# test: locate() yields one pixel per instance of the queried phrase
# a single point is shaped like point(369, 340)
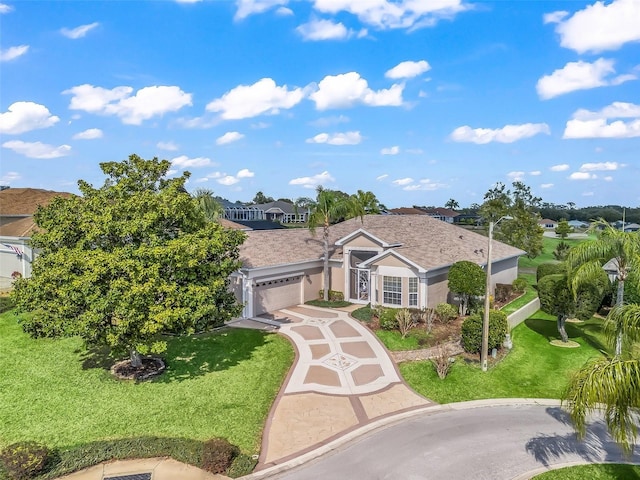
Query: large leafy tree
point(330, 206)
point(563, 229)
point(126, 262)
point(467, 279)
point(452, 204)
point(611, 385)
point(522, 229)
point(586, 260)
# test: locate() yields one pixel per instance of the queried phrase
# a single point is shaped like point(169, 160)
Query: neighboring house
point(406, 211)
point(548, 224)
point(444, 214)
point(578, 224)
point(17, 206)
point(631, 227)
point(278, 211)
point(392, 260)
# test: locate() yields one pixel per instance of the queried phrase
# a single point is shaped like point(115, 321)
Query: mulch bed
point(151, 366)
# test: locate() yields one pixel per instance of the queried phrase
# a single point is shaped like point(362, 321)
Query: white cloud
point(535, 173)
point(516, 176)
point(348, 89)
point(582, 176)
point(425, 184)
point(4, 8)
point(284, 12)
point(211, 176)
point(347, 138)
point(403, 181)
point(23, 117)
point(608, 178)
point(601, 166)
point(580, 75)
point(90, 134)
point(546, 185)
point(314, 181)
point(559, 168)
point(13, 52)
point(506, 134)
point(390, 151)
point(229, 137)
point(185, 162)
point(229, 180)
point(588, 124)
point(554, 17)
point(328, 121)
point(9, 177)
point(408, 69)
point(245, 173)
point(385, 14)
point(251, 7)
point(316, 30)
point(260, 125)
point(78, 32)
point(169, 146)
point(601, 26)
point(148, 102)
point(382, 177)
point(37, 149)
point(263, 97)
point(587, 194)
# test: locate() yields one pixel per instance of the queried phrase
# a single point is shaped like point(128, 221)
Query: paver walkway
point(342, 379)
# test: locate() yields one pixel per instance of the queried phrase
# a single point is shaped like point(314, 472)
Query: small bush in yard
point(242, 465)
point(471, 331)
point(218, 455)
point(427, 316)
point(334, 295)
point(441, 362)
point(25, 460)
point(446, 313)
point(388, 319)
point(405, 321)
point(519, 285)
point(503, 291)
point(421, 335)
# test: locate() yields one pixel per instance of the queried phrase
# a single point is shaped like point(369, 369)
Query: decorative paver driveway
point(342, 378)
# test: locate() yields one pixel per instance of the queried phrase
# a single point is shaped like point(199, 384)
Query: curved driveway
point(496, 443)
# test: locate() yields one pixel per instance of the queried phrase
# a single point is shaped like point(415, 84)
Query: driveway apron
point(342, 379)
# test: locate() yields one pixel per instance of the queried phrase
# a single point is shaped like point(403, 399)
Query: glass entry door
point(359, 284)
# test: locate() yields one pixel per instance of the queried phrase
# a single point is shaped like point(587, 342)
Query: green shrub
point(242, 465)
point(503, 291)
point(471, 331)
point(388, 319)
point(363, 314)
point(218, 455)
point(446, 312)
point(6, 303)
point(549, 269)
point(334, 295)
point(329, 303)
point(24, 460)
point(519, 285)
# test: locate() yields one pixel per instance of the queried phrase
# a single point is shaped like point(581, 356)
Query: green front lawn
point(217, 384)
point(606, 471)
point(534, 368)
point(549, 244)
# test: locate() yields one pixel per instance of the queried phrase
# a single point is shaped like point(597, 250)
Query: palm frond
point(624, 320)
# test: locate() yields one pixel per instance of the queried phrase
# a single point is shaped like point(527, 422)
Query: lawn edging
point(520, 315)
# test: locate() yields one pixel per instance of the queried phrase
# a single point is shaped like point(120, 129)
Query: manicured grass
point(607, 471)
point(529, 294)
point(549, 244)
point(363, 314)
point(55, 392)
point(534, 368)
point(328, 303)
point(394, 342)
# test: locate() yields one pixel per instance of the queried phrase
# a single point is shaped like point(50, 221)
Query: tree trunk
point(325, 267)
point(619, 302)
point(563, 332)
point(134, 356)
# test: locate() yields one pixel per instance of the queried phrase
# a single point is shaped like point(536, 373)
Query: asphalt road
point(496, 443)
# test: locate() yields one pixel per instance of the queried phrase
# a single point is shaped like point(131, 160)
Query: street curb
point(532, 473)
point(387, 421)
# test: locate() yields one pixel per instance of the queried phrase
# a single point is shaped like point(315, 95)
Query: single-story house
point(631, 227)
point(392, 260)
point(278, 211)
point(17, 206)
point(444, 214)
point(578, 224)
point(548, 224)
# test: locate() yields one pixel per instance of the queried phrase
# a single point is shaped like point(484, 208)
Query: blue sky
point(418, 101)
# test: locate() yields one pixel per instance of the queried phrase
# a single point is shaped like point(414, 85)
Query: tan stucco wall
point(235, 285)
point(361, 241)
point(505, 271)
point(312, 284)
point(391, 261)
point(437, 290)
point(336, 279)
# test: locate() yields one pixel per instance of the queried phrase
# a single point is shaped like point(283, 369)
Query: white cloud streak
point(252, 7)
point(12, 53)
point(185, 162)
point(347, 138)
point(78, 32)
point(24, 117)
point(349, 89)
point(37, 149)
point(588, 124)
point(89, 134)
point(229, 137)
point(390, 151)
point(313, 181)
point(408, 69)
point(506, 134)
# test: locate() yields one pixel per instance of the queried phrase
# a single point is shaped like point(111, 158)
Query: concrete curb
point(387, 421)
point(529, 475)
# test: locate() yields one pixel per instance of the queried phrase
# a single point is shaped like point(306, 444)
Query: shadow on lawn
point(587, 331)
point(192, 356)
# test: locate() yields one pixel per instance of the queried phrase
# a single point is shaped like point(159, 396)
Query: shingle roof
point(25, 201)
point(407, 211)
point(425, 241)
point(233, 225)
point(22, 227)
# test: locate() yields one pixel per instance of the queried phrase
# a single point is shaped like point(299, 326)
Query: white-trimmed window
point(413, 291)
point(392, 290)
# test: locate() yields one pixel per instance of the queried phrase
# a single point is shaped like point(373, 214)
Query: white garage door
point(276, 294)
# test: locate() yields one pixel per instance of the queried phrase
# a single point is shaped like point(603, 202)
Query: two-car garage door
point(276, 294)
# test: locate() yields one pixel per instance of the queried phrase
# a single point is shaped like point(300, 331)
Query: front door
point(359, 285)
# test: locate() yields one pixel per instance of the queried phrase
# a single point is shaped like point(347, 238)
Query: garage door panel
point(276, 294)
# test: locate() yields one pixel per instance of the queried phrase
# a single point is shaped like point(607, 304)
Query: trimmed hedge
point(549, 269)
point(334, 296)
point(519, 285)
point(446, 312)
point(471, 331)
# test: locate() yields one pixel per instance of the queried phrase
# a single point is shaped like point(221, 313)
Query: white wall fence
point(519, 316)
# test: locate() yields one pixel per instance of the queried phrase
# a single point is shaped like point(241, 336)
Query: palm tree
point(621, 248)
point(328, 208)
point(452, 204)
point(208, 204)
point(611, 384)
point(363, 203)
